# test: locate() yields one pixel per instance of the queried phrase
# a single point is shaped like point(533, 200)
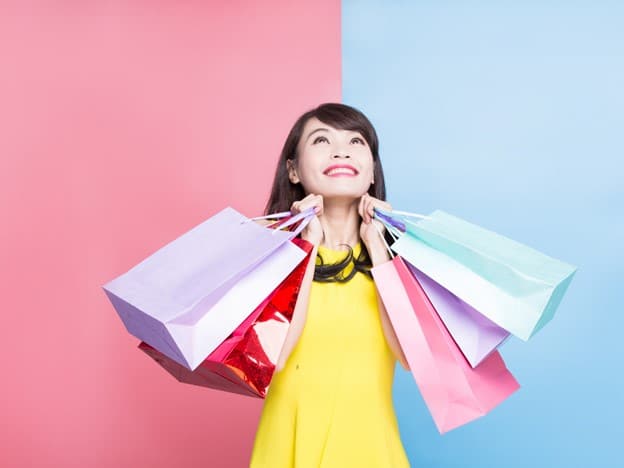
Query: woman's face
point(332, 163)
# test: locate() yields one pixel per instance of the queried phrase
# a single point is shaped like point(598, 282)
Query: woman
point(330, 401)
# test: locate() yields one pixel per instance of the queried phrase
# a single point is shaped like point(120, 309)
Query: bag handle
point(398, 219)
point(388, 220)
point(392, 229)
point(407, 214)
point(305, 217)
point(283, 214)
point(306, 220)
point(384, 240)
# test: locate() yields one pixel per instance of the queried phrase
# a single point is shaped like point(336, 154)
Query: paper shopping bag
point(453, 391)
point(188, 296)
point(245, 362)
point(513, 285)
point(475, 334)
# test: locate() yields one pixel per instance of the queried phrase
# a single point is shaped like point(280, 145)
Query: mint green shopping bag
point(515, 286)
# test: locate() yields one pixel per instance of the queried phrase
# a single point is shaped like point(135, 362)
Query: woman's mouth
point(340, 170)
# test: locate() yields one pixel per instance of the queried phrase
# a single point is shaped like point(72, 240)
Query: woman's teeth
point(341, 170)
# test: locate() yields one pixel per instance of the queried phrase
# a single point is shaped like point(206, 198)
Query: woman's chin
point(348, 190)
point(341, 196)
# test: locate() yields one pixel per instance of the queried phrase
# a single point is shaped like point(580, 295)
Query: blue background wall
point(510, 115)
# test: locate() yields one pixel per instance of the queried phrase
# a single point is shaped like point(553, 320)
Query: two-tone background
point(124, 123)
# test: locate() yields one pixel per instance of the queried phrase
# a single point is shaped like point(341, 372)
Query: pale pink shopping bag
point(454, 392)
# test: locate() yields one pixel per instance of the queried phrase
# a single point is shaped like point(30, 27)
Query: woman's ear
point(292, 172)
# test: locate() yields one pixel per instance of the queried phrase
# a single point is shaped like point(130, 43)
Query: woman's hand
point(313, 232)
point(368, 232)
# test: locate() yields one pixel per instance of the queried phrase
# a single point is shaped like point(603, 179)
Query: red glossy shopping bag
point(244, 363)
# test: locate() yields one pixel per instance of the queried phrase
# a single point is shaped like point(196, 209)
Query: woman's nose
point(340, 154)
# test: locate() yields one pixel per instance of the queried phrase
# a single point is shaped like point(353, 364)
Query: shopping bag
point(453, 391)
point(513, 285)
point(475, 334)
point(188, 296)
point(245, 362)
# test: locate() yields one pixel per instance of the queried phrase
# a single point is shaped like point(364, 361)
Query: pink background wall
point(121, 127)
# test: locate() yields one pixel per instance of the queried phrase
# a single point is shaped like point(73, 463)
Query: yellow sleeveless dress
point(331, 405)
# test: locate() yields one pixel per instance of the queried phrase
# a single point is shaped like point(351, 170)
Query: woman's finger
point(376, 203)
point(318, 204)
point(310, 201)
point(371, 208)
point(383, 205)
point(367, 205)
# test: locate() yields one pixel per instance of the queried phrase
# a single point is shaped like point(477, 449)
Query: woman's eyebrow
point(316, 130)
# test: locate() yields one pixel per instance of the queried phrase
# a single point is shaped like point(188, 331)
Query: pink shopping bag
point(454, 392)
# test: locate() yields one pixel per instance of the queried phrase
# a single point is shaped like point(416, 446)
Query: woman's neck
point(341, 223)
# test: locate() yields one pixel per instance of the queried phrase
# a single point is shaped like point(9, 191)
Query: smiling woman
point(338, 131)
point(330, 401)
point(350, 140)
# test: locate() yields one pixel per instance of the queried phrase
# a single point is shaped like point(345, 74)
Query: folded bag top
point(198, 266)
point(519, 269)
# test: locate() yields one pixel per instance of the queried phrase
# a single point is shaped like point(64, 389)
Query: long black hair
point(284, 192)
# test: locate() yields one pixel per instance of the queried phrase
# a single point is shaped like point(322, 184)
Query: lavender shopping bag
point(188, 296)
point(475, 335)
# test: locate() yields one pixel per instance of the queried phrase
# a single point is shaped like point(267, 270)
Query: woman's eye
point(317, 139)
point(358, 139)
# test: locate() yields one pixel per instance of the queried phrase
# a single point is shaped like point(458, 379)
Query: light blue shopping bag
point(513, 285)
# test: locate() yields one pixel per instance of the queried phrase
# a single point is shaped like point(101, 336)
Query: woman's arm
point(312, 233)
point(379, 254)
point(299, 314)
point(301, 307)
